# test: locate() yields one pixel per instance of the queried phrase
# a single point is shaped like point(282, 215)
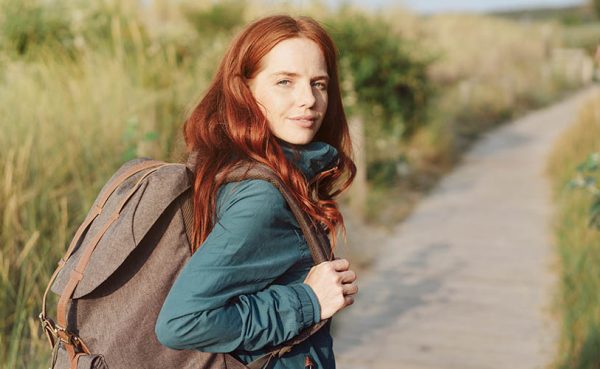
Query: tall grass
point(494, 69)
point(66, 126)
point(578, 245)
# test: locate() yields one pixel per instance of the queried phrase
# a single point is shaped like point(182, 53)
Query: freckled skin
point(282, 97)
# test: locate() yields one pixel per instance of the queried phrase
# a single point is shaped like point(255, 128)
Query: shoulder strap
point(187, 210)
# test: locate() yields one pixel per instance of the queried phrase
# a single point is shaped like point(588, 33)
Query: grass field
point(578, 245)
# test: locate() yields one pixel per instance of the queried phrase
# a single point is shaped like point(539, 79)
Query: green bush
point(388, 72)
point(386, 83)
point(587, 178)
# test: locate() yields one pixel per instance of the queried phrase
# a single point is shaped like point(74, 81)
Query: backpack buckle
point(55, 333)
point(49, 328)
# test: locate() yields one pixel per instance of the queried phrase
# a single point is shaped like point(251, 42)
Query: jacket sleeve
point(224, 298)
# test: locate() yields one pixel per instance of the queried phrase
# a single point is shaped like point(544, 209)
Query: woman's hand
point(334, 284)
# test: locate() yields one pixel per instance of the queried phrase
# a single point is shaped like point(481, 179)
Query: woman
point(251, 284)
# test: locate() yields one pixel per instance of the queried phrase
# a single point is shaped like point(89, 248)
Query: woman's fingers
point(347, 276)
point(340, 265)
point(349, 289)
point(332, 280)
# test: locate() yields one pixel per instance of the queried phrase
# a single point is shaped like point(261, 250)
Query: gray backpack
point(122, 263)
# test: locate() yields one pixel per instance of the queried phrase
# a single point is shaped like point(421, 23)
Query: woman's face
point(291, 89)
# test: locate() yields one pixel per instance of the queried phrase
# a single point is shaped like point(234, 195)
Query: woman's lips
point(305, 123)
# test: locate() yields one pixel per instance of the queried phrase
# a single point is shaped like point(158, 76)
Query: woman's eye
point(321, 85)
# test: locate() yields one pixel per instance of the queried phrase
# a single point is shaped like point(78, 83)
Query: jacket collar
point(311, 158)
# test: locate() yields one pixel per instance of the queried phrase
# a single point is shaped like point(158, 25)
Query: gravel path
point(467, 280)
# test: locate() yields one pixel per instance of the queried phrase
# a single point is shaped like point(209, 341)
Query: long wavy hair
point(228, 120)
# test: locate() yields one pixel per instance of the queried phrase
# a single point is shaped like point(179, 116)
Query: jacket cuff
point(315, 303)
point(309, 304)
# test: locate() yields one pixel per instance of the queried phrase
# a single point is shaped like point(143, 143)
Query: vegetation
point(87, 85)
point(389, 86)
point(578, 240)
point(485, 70)
point(587, 178)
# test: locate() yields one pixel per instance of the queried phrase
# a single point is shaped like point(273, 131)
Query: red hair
point(229, 120)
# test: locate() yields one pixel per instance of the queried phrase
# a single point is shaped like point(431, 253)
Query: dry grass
point(493, 69)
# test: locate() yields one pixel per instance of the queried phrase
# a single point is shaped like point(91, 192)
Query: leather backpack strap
point(187, 211)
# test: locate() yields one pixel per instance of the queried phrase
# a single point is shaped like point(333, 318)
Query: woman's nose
point(306, 95)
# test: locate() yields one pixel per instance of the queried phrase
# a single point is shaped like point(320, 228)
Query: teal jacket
point(242, 291)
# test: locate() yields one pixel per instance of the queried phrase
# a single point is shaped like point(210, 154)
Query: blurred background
point(86, 85)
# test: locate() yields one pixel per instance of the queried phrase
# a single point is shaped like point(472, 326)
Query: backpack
point(122, 262)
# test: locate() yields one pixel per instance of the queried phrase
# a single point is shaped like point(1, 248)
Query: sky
point(435, 6)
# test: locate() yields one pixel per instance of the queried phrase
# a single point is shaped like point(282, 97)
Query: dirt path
point(466, 281)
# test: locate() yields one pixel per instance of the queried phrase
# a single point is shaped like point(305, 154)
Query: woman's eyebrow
point(293, 74)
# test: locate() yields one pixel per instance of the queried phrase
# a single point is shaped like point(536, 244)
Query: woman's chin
point(302, 136)
point(297, 140)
